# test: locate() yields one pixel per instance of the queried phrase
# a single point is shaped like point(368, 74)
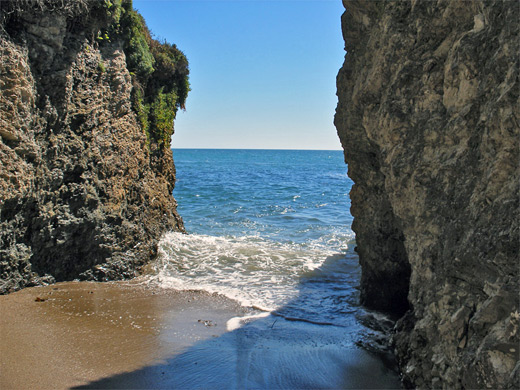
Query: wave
point(252, 270)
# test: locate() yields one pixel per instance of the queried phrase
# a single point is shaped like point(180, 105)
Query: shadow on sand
point(273, 352)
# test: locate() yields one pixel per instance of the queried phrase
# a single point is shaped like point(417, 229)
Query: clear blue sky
point(262, 73)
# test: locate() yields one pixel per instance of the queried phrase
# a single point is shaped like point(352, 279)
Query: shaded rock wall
point(428, 115)
point(83, 194)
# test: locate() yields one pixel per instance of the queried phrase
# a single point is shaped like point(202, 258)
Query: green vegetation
point(113, 10)
point(137, 37)
point(161, 115)
point(159, 70)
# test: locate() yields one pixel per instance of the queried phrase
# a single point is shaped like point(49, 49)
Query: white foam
point(251, 270)
point(237, 322)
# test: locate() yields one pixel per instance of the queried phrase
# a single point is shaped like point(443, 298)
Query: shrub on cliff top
point(137, 38)
point(159, 71)
point(171, 71)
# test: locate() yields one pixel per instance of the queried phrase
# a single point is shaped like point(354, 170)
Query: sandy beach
point(71, 334)
point(127, 335)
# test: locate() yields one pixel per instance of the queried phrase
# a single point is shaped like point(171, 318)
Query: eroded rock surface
point(83, 194)
point(428, 116)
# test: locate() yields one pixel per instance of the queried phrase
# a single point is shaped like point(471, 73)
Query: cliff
point(86, 171)
point(428, 116)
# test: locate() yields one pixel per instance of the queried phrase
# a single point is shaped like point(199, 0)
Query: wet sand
point(71, 334)
point(125, 335)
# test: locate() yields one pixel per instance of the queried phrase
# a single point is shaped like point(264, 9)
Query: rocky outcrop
point(428, 115)
point(84, 191)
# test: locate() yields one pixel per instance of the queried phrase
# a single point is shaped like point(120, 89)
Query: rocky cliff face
point(84, 192)
point(428, 116)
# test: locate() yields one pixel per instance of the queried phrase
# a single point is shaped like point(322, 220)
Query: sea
point(271, 230)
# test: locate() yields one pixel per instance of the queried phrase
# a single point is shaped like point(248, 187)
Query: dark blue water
point(285, 195)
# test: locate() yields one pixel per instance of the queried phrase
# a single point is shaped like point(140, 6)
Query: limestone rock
point(82, 192)
point(428, 115)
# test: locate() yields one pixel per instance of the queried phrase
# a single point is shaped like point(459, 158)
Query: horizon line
point(312, 150)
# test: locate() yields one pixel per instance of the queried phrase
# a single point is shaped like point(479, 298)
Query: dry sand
point(70, 334)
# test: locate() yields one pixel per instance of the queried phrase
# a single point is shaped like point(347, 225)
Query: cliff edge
point(87, 103)
point(428, 116)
